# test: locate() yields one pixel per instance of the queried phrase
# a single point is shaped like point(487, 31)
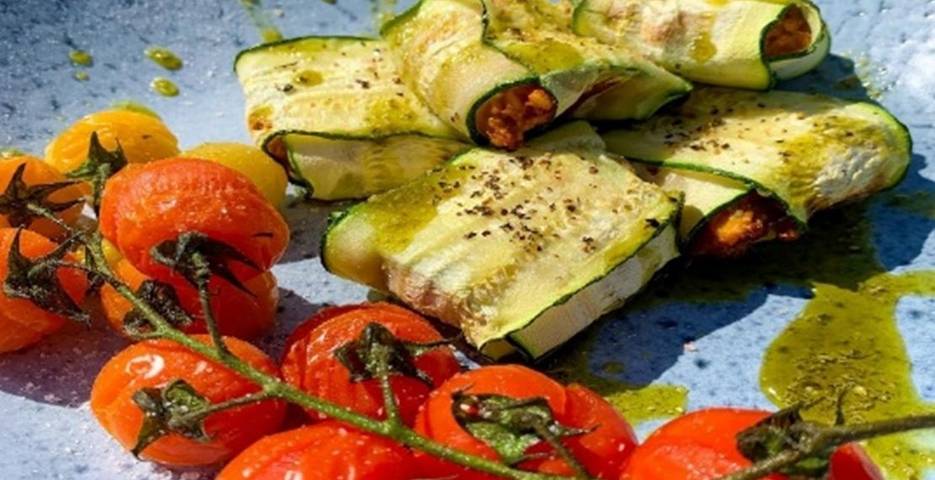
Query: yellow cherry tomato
point(265, 173)
point(144, 138)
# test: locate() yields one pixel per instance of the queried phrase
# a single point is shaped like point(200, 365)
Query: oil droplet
point(164, 57)
point(307, 78)
point(80, 58)
point(165, 87)
point(270, 34)
point(81, 76)
point(702, 48)
point(10, 152)
point(264, 25)
point(134, 106)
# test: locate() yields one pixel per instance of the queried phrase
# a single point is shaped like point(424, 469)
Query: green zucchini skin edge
point(672, 221)
point(286, 41)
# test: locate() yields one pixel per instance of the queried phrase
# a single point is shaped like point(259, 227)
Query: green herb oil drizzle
point(80, 58)
point(165, 87)
point(164, 57)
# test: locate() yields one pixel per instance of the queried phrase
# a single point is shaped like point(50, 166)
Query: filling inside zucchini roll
point(791, 34)
point(736, 228)
point(507, 116)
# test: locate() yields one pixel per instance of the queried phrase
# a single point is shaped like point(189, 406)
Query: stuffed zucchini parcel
point(498, 69)
point(520, 250)
point(334, 111)
point(731, 43)
point(755, 166)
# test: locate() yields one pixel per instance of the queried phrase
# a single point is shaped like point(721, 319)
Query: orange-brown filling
point(505, 118)
point(791, 34)
point(735, 229)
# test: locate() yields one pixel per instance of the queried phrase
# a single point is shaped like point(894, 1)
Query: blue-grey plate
point(696, 338)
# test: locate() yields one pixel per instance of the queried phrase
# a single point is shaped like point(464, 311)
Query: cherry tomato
point(851, 462)
point(310, 363)
point(157, 363)
point(602, 450)
point(146, 205)
point(702, 445)
point(325, 451)
point(259, 167)
point(37, 173)
point(143, 137)
point(238, 313)
point(22, 323)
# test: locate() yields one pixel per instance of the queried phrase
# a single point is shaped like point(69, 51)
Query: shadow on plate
point(307, 221)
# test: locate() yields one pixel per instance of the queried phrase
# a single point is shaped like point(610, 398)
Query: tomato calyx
point(171, 409)
point(162, 298)
point(37, 281)
point(512, 426)
point(782, 431)
point(22, 203)
point(377, 352)
point(198, 257)
point(100, 165)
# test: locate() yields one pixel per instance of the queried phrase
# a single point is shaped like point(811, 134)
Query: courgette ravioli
point(334, 111)
point(755, 166)
point(731, 43)
point(520, 250)
point(498, 69)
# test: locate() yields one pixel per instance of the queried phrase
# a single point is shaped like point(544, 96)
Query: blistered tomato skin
point(36, 172)
point(146, 205)
point(238, 313)
point(143, 138)
point(310, 363)
point(324, 451)
point(602, 451)
point(22, 323)
point(157, 363)
point(259, 167)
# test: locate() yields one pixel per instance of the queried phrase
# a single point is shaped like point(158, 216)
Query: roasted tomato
point(702, 445)
point(143, 137)
point(146, 205)
point(259, 167)
point(596, 435)
point(325, 451)
point(311, 365)
point(23, 323)
point(34, 173)
point(158, 363)
point(238, 313)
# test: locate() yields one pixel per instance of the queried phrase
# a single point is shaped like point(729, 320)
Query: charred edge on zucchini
point(751, 219)
point(505, 118)
point(789, 36)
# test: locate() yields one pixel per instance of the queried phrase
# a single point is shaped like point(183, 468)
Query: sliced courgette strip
point(496, 69)
point(520, 250)
point(731, 43)
point(334, 110)
point(808, 152)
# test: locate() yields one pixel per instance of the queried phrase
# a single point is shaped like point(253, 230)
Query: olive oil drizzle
point(164, 57)
point(165, 87)
point(262, 21)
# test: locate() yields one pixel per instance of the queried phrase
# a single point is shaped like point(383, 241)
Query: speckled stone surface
point(48, 432)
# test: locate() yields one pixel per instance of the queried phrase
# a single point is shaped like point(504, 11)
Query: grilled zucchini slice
point(520, 250)
point(498, 69)
point(731, 43)
point(805, 152)
point(334, 111)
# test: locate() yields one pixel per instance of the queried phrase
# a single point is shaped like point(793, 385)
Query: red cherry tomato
point(144, 205)
point(325, 451)
point(157, 363)
point(851, 462)
point(310, 363)
point(602, 450)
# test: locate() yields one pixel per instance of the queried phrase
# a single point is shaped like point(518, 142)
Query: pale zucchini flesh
point(520, 250)
point(809, 152)
point(457, 54)
point(335, 110)
point(714, 42)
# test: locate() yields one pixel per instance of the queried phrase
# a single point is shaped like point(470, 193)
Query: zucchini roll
point(334, 111)
point(730, 43)
point(497, 69)
point(520, 250)
point(755, 166)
